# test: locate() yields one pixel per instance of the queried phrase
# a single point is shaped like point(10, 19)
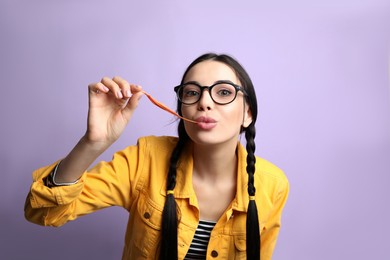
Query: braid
point(252, 224)
point(169, 223)
point(252, 221)
point(250, 159)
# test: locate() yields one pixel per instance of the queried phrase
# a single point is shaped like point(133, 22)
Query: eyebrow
point(216, 82)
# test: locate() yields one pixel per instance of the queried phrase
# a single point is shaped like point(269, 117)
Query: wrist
point(96, 147)
point(50, 180)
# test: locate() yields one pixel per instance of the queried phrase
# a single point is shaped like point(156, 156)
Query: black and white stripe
point(198, 247)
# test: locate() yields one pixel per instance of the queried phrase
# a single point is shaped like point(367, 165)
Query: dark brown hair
point(169, 241)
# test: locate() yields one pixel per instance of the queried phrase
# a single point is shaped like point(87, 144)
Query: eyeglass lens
point(221, 93)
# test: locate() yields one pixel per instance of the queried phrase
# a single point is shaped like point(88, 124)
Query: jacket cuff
point(44, 196)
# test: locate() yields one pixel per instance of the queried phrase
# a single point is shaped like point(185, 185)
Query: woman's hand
point(111, 105)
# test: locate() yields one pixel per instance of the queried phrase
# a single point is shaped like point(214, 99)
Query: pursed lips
point(206, 123)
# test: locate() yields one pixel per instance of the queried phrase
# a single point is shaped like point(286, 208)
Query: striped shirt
point(198, 247)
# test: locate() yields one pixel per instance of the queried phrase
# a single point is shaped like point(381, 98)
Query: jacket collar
point(184, 188)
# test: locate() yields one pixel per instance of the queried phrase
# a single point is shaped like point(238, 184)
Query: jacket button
point(147, 215)
point(214, 253)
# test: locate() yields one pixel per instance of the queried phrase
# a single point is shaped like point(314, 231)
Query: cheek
point(232, 118)
point(187, 111)
point(235, 112)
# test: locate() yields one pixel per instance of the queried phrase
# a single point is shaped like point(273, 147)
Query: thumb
point(132, 104)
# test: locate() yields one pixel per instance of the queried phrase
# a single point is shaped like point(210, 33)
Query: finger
point(135, 88)
point(123, 85)
point(98, 87)
point(134, 100)
point(112, 86)
point(132, 104)
point(137, 93)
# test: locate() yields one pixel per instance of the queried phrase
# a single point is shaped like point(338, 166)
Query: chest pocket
point(240, 246)
point(239, 237)
point(147, 227)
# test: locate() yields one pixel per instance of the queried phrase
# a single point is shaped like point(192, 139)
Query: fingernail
point(128, 93)
point(105, 89)
point(119, 93)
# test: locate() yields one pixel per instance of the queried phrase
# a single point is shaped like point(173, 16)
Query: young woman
point(200, 195)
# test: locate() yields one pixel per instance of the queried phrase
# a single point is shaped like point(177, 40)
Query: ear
point(247, 116)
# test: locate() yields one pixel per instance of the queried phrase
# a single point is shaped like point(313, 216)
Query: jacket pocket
point(240, 247)
point(146, 231)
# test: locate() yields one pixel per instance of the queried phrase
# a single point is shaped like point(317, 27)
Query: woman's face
point(216, 123)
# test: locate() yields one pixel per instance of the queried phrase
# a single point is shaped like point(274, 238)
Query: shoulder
point(271, 175)
point(265, 171)
point(150, 146)
point(269, 169)
point(157, 141)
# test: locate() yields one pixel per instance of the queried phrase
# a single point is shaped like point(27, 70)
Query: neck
point(215, 163)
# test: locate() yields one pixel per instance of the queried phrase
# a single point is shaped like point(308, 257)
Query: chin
point(211, 139)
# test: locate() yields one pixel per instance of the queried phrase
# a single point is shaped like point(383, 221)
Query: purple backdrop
point(321, 73)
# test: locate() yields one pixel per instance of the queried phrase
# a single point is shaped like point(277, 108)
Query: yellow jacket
point(136, 179)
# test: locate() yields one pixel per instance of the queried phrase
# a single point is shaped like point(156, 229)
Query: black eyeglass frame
point(209, 88)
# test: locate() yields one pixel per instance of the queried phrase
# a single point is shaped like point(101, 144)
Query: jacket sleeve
point(269, 237)
point(106, 184)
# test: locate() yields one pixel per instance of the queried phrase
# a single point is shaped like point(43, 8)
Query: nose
point(205, 102)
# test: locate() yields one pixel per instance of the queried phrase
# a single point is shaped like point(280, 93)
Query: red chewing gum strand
point(164, 107)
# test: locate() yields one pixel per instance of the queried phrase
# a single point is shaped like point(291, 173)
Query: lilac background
point(321, 72)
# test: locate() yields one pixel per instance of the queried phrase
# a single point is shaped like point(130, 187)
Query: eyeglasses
point(221, 92)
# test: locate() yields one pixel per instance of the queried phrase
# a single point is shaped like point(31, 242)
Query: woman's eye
point(224, 92)
point(191, 93)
